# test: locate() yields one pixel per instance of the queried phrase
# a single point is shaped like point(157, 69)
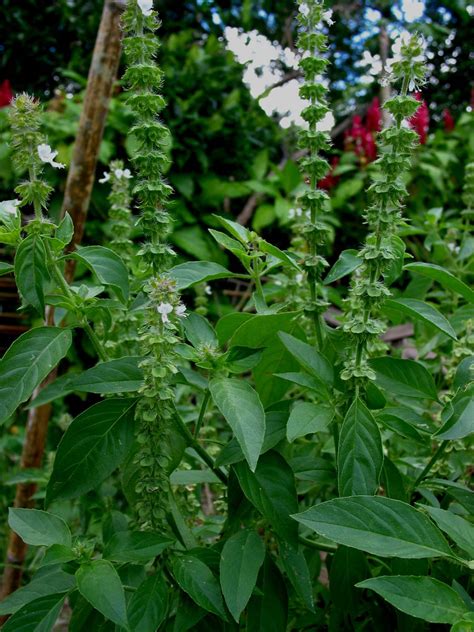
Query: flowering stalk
point(120, 215)
point(144, 80)
point(155, 413)
point(314, 201)
point(382, 247)
point(31, 153)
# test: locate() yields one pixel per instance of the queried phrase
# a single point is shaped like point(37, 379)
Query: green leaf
point(306, 418)
point(198, 331)
point(419, 310)
point(295, 566)
point(107, 266)
point(458, 417)
point(422, 597)
point(243, 411)
point(310, 359)
point(31, 271)
point(137, 546)
point(65, 231)
point(99, 583)
point(58, 554)
point(238, 231)
point(27, 362)
point(377, 525)
point(196, 579)
point(348, 262)
point(39, 528)
point(461, 531)
point(187, 274)
point(268, 611)
point(39, 615)
point(148, 606)
point(122, 375)
point(271, 489)
point(360, 455)
point(196, 242)
point(46, 581)
point(397, 424)
point(405, 378)
point(230, 244)
point(278, 254)
point(92, 447)
point(443, 277)
point(241, 559)
point(5, 268)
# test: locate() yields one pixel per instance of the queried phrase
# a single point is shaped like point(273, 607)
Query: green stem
point(193, 443)
point(202, 412)
point(436, 456)
point(62, 283)
point(329, 548)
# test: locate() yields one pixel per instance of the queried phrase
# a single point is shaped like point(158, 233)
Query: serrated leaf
point(405, 378)
point(377, 525)
point(348, 262)
point(148, 605)
point(27, 362)
point(309, 358)
point(99, 583)
point(360, 455)
point(107, 266)
point(196, 579)
point(461, 531)
point(241, 559)
point(419, 310)
point(135, 546)
point(187, 274)
point(92, 447)
point(39, 528)
point(45, 582)
point(37, 616)
point(422, 597)
point(271, 489)
point(306, 418)
point(243, 411)
point(442, 276)
point(31, 272)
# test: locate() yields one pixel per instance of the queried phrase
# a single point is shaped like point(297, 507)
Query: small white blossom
point(9, 206)
point(164, 309)
point(47, 155)
point(180, 310)
point(208, 290)
point(123, 173)
point(105, 178)
point(146, 7)
point(327, 17)
point(299, 278)
point(304, 9)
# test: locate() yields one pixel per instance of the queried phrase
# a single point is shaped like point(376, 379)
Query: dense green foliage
point(237, 442)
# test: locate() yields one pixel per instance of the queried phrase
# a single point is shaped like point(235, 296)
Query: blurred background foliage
point(228, 155)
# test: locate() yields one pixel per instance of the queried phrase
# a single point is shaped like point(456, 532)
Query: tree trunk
point(102, 74)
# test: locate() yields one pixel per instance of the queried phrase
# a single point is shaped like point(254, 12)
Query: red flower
point(6, 93)
point(420, 121)
point(448, 120)
point(329, 181)
point(361, 139)
point(374, 116)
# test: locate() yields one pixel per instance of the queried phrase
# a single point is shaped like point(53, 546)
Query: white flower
point(327, 17)
point(180, 310)
point(9, 206)
point(304, 9)
point(105, 177)
point(146, 6)
point(208, 290)
point(123, 173)
point(47, 155)
point(164, 309)
point(299, 278)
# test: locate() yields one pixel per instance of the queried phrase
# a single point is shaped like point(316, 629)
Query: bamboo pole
point(102, 74)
